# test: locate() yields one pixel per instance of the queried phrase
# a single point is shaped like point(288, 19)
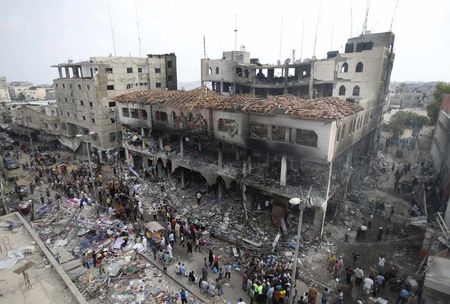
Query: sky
point(36, 34)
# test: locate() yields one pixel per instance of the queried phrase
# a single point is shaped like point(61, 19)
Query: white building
point(4, 92)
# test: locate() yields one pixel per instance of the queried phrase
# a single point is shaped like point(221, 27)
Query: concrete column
point(220, 189)
point(160, 142)
point(100, 156)
point(237, 153)
point(252, 90)
point(183, 183)
point(182, 146)
point(319, 219)
point(220, 156)
point(60, 73)
point(269, 132)
point(249, 162)
point(283, 171)
point(199, 146)
point(67, 72)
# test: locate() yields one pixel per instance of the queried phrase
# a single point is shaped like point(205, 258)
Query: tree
point(433, 107)
point(21, 96)
point(406, 119)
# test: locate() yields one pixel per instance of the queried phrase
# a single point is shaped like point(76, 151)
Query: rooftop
point(325, 109)
point(49, 283)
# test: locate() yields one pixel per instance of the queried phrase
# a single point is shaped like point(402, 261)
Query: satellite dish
point(287, 61)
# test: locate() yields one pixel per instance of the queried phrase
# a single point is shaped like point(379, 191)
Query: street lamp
point(295, 201)
point(90, 164)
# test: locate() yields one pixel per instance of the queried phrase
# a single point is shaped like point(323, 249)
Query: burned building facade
point(84, 90)
point(277, 147)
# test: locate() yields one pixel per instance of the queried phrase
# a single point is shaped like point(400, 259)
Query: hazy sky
point(35, 34)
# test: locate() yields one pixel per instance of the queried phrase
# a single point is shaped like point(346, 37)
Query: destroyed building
point(271, 148)
point(84, 91)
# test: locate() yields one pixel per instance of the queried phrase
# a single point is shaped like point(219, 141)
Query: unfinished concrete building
point(264, 148)
point(84, 91)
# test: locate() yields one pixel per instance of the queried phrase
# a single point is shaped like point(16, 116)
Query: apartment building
point(84, 92)
point(38, 117)
point(263, 147)
point(26, 91)
point(4, 92)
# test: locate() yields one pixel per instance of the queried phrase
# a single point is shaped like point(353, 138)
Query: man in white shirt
point(240, 301)
point(368, 283)
point(381, 261)
point(359, 275)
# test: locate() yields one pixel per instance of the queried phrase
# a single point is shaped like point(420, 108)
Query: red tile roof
point(326, 108)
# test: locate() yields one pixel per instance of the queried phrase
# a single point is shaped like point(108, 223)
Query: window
point(64, 86)
point(139, 70)
point(144, 114)
point(342, 91)
point(161, 116)
point(65, 98)
point(217, 70)
point(306, 138)
point(246, 73)
point(356, 91)
point(129, 86)
point(93, 120)
point(81, 102)
point(258, 131)
point(279, 133)
point(63, 126)
point(79, 87)
point(113, 120)
point(55, 126)
point(68, 114)
point(108, 70)
point(56, 85)
point(228, 125)
point(112, 137)
point(110, 87)
point(88, 87)
point(91, 104)
point(239, 72)
point(158, 84)
point(169, 64)
point(210, 71)
point(157, 70)
point(344, 68)
point(70, 85)
point(112, 104)
point(84, 117)
point(338, 132)
point(125, 112)
point(134, 113)
point(129, 70)
point(169, 78)
point(359, 67)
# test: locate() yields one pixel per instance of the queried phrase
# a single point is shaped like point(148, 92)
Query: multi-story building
point(264, 147)
point(440, 152)
point(4, 92)
point(84, 92)
point(38, 115)
point(24, 91)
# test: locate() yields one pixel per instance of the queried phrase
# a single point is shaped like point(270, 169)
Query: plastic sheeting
point(13, 257)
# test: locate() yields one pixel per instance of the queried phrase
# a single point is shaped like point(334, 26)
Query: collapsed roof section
point(324, 109)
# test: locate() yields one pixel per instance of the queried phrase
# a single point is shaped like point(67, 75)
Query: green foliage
point(21, 97)
point(405, 119)
point(434, 106)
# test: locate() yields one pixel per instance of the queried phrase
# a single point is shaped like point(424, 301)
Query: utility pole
point(5, 205)
point(301, 206)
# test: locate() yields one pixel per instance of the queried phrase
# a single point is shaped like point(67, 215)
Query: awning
point(71, 143)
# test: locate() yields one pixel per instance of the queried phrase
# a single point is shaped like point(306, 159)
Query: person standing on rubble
point(331, 261)
point(198, 195)
point(380, 234)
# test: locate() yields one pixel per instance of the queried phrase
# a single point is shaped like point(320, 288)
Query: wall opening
point(344, 68)
point(342, 90)
point(356, 91)
point(359, 67)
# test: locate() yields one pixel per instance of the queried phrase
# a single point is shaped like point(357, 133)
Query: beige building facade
point(84, 92)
